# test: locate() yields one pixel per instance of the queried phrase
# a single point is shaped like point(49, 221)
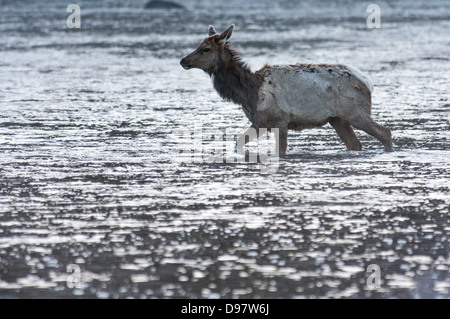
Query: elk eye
point(206, 50)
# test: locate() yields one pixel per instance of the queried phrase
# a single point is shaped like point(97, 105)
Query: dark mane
point(236, 57)
point(234, 81)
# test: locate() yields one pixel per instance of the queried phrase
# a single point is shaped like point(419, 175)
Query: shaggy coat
point(296, 97)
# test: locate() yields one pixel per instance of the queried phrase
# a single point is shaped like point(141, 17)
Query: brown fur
point(344, 103)
point(235, 82)
point(232, 78)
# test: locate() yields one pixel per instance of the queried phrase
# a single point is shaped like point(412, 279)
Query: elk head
point(210, 52)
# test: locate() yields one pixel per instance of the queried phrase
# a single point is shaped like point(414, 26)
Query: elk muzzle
point(185, 64)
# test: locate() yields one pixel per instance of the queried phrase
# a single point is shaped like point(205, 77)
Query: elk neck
point(234, 81)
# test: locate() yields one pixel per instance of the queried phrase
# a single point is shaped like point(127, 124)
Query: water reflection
point(88, 175)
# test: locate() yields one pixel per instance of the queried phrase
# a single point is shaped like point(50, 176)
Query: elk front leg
point(250, 134)
point(281, 135)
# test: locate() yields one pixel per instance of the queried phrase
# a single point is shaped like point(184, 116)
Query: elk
point(296, 97)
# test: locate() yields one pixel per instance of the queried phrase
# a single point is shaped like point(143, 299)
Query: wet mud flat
point(95, 201)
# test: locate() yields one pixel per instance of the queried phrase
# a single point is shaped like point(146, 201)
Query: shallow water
point(95, 200)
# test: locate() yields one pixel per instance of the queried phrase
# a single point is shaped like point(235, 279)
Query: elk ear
point(226, 35)
point(211, 31)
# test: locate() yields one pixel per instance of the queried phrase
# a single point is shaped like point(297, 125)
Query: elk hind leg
point(381, 133)
point(345, 131)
